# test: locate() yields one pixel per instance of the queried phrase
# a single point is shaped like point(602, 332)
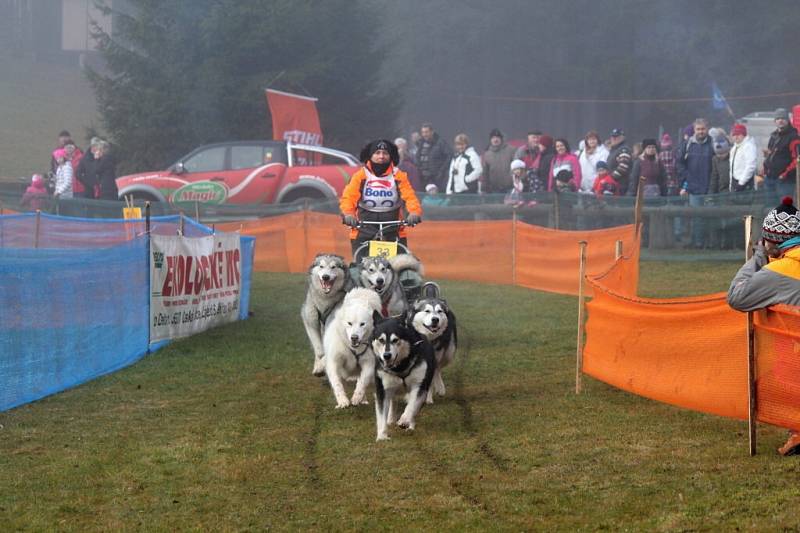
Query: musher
point(377, 192)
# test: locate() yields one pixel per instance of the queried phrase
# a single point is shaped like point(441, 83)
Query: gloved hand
point(413, 220)
point(350, 220)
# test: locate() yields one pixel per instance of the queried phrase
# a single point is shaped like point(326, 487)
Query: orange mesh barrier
point(549, 259)
point(689, 352)
point(486, 251)
point(778, 366)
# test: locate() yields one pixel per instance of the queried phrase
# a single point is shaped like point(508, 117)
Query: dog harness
point(404, 370)
point(358, 355)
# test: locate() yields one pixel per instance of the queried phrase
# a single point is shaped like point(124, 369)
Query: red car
point(246, 172)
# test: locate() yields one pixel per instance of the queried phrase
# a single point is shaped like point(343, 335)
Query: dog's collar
point(356, 354)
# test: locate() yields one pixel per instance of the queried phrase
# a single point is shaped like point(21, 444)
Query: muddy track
point(310, 451)
point(467, 420)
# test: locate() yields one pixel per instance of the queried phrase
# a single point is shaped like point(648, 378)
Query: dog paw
point(382, 438)
point(429, 400)
point(405, 424)
point(358, 399)
point(319, 367)
point(341, 404)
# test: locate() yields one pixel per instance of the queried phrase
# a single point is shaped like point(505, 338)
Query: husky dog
point(346, 344)
point(327, 284)
point(433, 319)
point(404, 360)
point(381, 275)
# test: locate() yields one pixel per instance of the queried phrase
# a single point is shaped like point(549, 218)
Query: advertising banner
point(294, 118)
point(195, 284)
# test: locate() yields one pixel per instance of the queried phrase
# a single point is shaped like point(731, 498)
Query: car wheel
point(302, 195)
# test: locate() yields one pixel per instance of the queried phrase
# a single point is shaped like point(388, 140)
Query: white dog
point(327, 284)
point(346, 345)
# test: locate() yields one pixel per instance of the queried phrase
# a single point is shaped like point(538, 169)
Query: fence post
point(556, 208)
point(581, 305)
point(637, 212)
point(181, 226)
point(36, 229)
point(197, 211)
point(617, 250)
point(514, 246)
point(751, 347)
point(1, 208)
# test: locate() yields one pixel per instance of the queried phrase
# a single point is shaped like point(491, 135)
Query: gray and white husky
point(432, 318)
point(381, 275)
point(404, 362)
point(328, 282)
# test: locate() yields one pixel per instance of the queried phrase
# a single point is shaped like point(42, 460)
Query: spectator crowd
point(74, 174)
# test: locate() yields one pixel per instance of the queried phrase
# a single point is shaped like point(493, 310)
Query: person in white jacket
point(63, 175)
point(744, 154)
point(593, 151)
point(465, 167)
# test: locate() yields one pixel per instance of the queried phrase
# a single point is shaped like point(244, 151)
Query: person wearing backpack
point(465, 167)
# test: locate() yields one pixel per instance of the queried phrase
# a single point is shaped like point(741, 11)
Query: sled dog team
point(362, 328)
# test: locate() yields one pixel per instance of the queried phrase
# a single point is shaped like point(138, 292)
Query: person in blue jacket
point(694, 172)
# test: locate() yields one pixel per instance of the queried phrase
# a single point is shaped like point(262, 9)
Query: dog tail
point(406, 262)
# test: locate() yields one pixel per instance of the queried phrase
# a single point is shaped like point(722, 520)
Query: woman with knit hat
point(647, 165)
point(772, 276)
point(377, 192)
point(666, 155)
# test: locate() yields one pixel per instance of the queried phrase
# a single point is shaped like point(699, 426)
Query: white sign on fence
point(195, 283)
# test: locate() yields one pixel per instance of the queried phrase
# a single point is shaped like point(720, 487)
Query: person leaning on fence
point(465, 167)
point(604, 184)
point(377, 192)
point(772, 275)
point(649, 167)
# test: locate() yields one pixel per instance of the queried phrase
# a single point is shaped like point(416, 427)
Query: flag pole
point(581, 325)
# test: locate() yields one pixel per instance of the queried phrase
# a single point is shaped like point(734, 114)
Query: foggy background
point(381, 68)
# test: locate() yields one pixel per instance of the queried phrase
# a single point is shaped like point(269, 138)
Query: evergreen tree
point(180, 73)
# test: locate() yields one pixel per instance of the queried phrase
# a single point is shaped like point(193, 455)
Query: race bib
point(382, 249)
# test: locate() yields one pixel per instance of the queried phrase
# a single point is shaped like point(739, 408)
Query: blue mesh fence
point(74, 299)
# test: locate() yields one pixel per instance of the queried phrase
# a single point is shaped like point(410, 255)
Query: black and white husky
point(328, 282)
point(404, 362)
point(381, 275)
point(434, 320)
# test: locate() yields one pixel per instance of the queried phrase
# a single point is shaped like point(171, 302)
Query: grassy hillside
point(37, 101)
point(229, 431)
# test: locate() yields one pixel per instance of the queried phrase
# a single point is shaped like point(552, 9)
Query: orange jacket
point(352, 195)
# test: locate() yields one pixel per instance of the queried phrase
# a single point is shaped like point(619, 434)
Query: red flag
point(294, 118)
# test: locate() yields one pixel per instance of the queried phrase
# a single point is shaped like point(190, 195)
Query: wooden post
point(181, 226)
point(556, 208)
point(581, 305)
point(618, 251)
point(147, 218)
point(514, 246)
point(36, 229)
point(751, 347)
point(637, 211)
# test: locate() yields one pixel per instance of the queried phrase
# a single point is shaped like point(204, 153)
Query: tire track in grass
point(310, 452)
point(467, 419)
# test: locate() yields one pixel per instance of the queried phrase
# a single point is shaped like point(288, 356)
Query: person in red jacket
point(604, 183)
point(378, 192)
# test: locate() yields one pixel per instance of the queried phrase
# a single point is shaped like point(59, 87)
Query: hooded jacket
point(760, 283)
point(780, 162)
point(351, 196)
point(496, 164)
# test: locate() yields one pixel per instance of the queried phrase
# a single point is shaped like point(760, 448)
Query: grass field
point(38, 101)
point(229, 431)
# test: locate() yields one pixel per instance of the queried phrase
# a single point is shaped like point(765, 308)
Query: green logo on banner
point(204, 192)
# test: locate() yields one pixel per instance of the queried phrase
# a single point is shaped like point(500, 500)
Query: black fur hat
point(380, 144)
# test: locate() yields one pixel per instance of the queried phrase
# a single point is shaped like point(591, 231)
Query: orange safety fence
point(486, 251)
point(778, 366)
point(692, 352)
